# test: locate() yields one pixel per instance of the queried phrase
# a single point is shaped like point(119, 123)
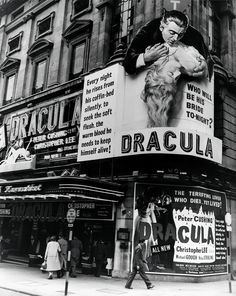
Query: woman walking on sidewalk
point(52, 257)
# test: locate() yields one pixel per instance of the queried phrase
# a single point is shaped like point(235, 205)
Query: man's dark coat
point(150, 34)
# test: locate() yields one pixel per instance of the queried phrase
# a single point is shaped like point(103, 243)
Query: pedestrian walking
point(76, 252)
point(63, 255)
point(52, 257)
point(139, 264)
point(99, 256)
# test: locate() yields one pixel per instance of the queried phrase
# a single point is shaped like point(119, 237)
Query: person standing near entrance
point(76, 252)
point(109, 256)
point(99, 256)
point(139, 264)
point(52, 257)
point(63, 255)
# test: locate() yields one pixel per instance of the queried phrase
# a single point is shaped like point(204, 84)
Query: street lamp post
point(71, 214)
point(228, 221)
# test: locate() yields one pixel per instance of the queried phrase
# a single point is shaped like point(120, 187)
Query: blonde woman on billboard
point(161, 80)
point(157, 48)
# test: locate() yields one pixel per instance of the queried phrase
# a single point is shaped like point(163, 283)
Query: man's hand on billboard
point(152, 53)
point(201, 69)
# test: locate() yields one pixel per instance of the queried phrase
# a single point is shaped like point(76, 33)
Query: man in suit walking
point(139, 264)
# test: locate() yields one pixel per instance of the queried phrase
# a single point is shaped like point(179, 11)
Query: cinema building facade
point(74, 134)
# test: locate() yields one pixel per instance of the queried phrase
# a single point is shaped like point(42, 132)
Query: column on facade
point(101, 28)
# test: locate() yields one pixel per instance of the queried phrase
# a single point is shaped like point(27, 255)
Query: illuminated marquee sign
point(5, 210)
point(50, 130)
point(93, 210)
point(18, 189)
point(55, 211)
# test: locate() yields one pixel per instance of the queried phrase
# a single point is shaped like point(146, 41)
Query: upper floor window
point(214, 31)
point(39, 53)
point(9, 68)
point(77, 37)
point(9, 89)
point(14, 43)
point(79, 7)
point(45, 26)
point(15, 14)
point(39, 74)
point(122, 25)
point(78, 62)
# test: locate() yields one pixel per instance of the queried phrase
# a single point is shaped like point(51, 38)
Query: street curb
point(18, 291)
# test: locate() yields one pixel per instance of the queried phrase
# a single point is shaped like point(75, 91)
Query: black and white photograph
point(117, 147)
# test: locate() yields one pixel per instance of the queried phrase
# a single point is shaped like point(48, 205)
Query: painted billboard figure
point(149, 207)
point(150, 36)
point(154, 223)
point(160, 88)
point(157, 47)
point(16, 152)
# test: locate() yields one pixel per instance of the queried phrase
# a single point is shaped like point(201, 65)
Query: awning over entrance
point(61, 188)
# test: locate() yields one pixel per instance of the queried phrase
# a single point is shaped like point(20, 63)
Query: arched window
point(39, 53)
point(9, 68)
point(77, 37)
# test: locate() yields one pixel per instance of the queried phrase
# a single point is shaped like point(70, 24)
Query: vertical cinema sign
point(181, 5)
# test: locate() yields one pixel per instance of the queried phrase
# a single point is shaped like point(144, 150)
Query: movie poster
point(184, 229)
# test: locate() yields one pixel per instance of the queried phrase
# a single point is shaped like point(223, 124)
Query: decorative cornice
point(29, 14)
point(77, 28)
point(9, 63)
point(227, 78)
point(39, 46)
point(104, 3)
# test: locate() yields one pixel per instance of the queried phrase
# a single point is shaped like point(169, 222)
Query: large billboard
point(191, 106)
point(102, 94)
point(47, 133)
point(115, 119)
point(184, 228)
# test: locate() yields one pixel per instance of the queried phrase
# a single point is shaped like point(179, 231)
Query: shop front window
point(184, 229)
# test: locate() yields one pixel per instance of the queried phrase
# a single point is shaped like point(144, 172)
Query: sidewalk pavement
point(31, 281)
